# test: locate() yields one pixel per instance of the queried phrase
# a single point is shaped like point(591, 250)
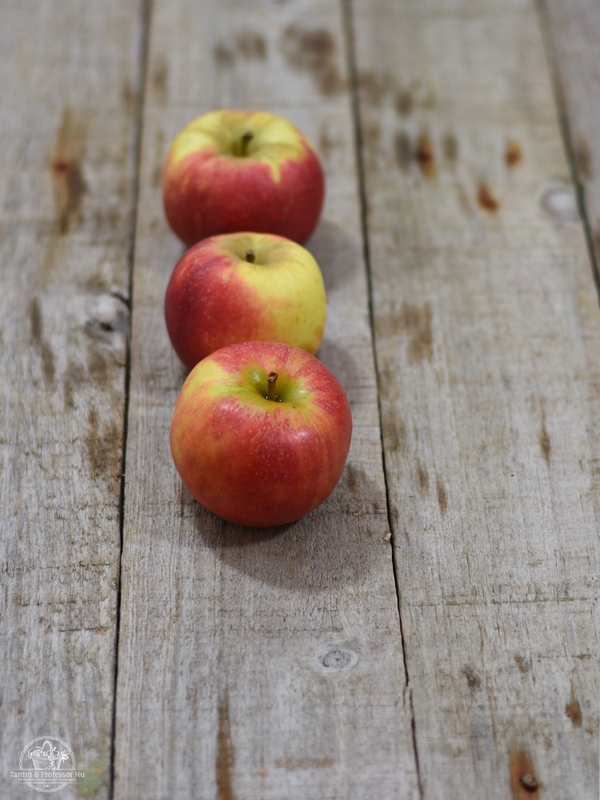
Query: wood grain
point(257, 664)
point(487, 335)
point(67, 73)
point(572, 30)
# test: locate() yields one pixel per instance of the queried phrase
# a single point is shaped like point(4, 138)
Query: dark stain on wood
point(450, 147)
point(423, 477)
point(70, 187)
point(486, 199)
point(223, 55)
point(313, 50)
point(403, 151)
point(472, 678)
point(252, 45)
point(37, 339)
point(327, 143)
point(97, 367)
point(394, 432)
point(403, 102)
point(583, 159)
point(158, 78)
point(544, 438)
point(107, 222)
point(183, 500)
point(523, 665)
point(75, 189)
point(373, 87)
point(74, 377)
point(513, 155)
point(371, 134)
point(416, 322)
point(93, 440)
point(424, 156)
point(35, 318)
point(67, 175)
point(573, 710)
point(224, 760)
point(442, 496)
point(103, 448)
point(159, 158)
point(524, 782)
point(351, 478)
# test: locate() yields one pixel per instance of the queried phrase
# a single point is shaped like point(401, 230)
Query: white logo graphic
point(47, 764)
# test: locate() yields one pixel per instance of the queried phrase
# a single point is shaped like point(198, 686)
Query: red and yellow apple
point(233, 171)
point(244, 287)
point(261, 433)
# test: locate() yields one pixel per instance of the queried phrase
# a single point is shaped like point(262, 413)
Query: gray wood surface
point(572, 29)
point(487, 339)
point(275, 664)
point(256, 664)
point(67, 133)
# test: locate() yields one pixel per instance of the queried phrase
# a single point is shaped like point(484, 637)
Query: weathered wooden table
point(431, 630)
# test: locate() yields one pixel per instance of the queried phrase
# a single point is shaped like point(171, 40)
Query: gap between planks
point(146, 19)
point(558, 89)
point(349, 42)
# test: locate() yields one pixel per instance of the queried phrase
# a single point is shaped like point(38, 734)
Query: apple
point(261, 433)
point(231, 171)
point(244, 287)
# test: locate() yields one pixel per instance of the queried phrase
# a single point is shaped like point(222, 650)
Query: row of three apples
point(261, 429)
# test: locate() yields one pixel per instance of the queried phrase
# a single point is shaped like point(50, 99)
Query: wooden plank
point(487, 336)
point(572, 33)
point(67, 135)
point(256, 664)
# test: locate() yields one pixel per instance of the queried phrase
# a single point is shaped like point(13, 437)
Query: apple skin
point(210, 187)
point(216, 297)
point(251, 460)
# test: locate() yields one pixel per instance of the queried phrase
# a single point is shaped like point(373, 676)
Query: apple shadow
point(338, 541)
point(343, 365)
point(338, 255)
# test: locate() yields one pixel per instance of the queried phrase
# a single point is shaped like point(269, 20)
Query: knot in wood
point(529, 781)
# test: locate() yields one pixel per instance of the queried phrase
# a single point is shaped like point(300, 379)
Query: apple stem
point(245, 142)
point(271, 381)
point(250, 256)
